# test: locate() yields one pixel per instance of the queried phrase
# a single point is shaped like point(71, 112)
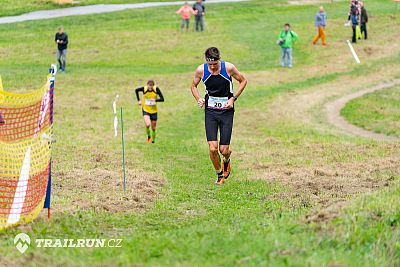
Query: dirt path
point(92, 9)
point(321, 172)
point(333, 112)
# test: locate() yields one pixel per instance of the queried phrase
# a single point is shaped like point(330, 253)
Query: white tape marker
point(115, 116)
point(353, 52)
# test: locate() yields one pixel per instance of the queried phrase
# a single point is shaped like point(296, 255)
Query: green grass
point(193, 223)
point(378, 112)
point(17, 7)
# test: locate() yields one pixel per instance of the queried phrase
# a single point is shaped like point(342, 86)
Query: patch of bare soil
point(327, 185)
point(7, 262)
point(103, 190)
point(320, 173)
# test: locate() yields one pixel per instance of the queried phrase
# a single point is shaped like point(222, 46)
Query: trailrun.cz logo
point(22, 242)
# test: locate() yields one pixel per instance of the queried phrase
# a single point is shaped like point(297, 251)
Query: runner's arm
point(196, 80)
point(161, 99)
point(140, 89)
point(235, 73)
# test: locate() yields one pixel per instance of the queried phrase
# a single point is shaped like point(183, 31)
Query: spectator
point(286, 39)
point(354, 22)
point(353, 4)
point(185, 11)
point(200, 10)
point(61, 40)
point(320, 24)
point(364, 21)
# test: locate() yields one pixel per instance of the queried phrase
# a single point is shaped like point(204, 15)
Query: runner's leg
point(226, 127)
point(147, 122)
point(153, 128)
point(211, 125)
point(214, 155)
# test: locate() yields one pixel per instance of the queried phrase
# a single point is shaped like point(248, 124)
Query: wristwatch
point(234, 98)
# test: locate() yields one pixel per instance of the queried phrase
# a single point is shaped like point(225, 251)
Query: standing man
point(185, 11)
point(61, 40)
point(286, 39)
point(364, 21)
point(149, 107)
point(320, 24)
point(219, 107)
point(200, 10)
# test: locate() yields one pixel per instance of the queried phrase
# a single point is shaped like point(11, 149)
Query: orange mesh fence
point(25, 153)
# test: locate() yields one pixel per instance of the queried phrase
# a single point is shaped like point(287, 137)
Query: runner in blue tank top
point(219, 106)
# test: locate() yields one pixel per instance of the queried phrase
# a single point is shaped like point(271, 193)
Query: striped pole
point(53, 72)
point(123, 149)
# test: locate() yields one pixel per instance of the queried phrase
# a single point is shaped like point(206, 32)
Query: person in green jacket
point(286, 39)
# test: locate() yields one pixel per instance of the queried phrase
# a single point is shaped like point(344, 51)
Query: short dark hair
point(151, 82)
point(212, 54)
point(287, 24)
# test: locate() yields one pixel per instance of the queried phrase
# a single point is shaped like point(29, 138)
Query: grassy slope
point(17, 7)
point(193, 223)
point(378, 112)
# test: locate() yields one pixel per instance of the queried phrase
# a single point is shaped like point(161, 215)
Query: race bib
point(150, 102)
point(217, 102)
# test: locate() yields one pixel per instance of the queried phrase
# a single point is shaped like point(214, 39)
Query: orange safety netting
point(25, 153)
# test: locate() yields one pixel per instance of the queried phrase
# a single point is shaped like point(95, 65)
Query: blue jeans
point(185, 21)
point(286, 52)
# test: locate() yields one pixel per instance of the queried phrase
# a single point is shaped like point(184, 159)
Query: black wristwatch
point(234, 98)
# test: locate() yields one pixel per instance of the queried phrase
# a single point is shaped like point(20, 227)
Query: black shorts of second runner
point(153, 117)
point(222, 121)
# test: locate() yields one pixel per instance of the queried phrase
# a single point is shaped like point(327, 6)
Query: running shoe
point(227, 169)
point(220, 180)
point(148, 141)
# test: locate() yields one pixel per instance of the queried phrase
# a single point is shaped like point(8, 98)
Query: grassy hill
point(302, 193)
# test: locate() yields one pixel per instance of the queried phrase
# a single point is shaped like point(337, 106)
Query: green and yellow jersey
point(149, 101)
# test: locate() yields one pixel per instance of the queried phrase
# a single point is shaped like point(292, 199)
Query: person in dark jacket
point(61, 40)
point(200, 10)
point(354, 17)
point(364, 21)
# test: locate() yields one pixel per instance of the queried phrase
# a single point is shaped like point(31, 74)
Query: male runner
point(149, 107)
point(219, 106)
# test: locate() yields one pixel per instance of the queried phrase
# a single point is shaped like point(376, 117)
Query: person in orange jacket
point(185, 11)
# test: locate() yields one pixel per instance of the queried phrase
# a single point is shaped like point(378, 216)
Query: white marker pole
point(115, 116)
point(353, 52)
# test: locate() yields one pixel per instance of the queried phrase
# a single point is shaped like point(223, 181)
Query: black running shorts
point(222, 121)
point(153, 117)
